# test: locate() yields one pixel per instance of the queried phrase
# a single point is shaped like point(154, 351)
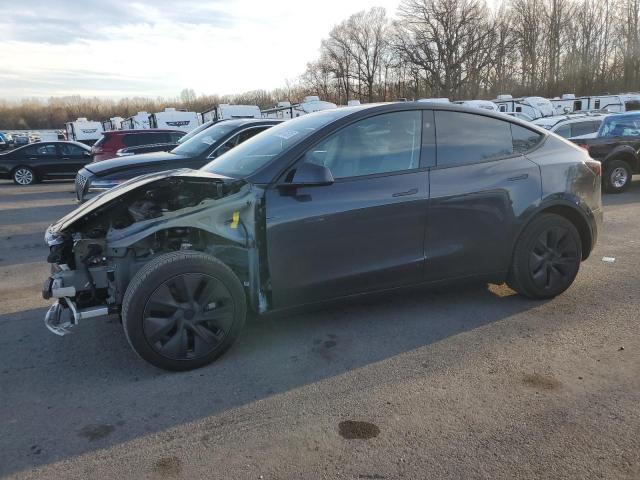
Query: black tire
point(167, 310)
point(23, 176)
point(547, 257)
point(617, 176)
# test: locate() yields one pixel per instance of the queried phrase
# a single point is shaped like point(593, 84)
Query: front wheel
point(617, 176)
point(546, 258)
point(24, 176)
point(183, 310)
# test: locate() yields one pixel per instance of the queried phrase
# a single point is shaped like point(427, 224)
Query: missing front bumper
point(63, 316)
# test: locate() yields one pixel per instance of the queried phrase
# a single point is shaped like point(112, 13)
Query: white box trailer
point(623, 102)
point(139, 121)
point(114, 123)
point(174, 119)
point(310, 104)
point(535, 107)
point(84, 131)
point(224, 111)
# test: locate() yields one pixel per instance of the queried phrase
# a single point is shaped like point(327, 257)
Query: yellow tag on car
point(235, 219)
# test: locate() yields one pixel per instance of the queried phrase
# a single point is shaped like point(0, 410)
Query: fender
point(563, 200)
point(623, 151)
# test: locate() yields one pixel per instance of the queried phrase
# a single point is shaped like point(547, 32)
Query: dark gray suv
point(332, 204)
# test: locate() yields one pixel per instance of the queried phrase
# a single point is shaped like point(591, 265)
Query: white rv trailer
point(225, 111)
point(114, 123)
point(484, 104)
point(623, 102)
point(286, 110)
point(535, 107)
point(84, 131)
point(174, 119)
point(139, 121)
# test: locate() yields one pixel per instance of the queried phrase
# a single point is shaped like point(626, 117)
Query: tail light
point(96, 150)
point(595, 166)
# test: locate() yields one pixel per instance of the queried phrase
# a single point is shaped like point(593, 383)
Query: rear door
point(365, 231)
point(46, 159)
point(481, 185)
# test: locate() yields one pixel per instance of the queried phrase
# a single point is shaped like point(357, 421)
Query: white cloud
point(159, 49)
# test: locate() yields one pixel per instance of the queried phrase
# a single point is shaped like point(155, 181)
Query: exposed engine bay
point(96, 250)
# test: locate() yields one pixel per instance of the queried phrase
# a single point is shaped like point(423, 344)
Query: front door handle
point(524, 176)
point(413, 191)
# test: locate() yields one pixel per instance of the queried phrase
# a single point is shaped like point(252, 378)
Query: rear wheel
point(547, 257)
point(617, 176)
point(24, 176)
point(183, 310)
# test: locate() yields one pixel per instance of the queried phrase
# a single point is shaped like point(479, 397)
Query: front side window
point(261, 149)
point(385, 143)
point(465, 138)
point(72, 150)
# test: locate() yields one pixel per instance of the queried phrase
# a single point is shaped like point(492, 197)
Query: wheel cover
point(23, 176)
point(188, 316)
point(554, 259)
point(619, 177)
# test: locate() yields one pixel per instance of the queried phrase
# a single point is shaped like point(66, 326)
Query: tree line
point(459, 49)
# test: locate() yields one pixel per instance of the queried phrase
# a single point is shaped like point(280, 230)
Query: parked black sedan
point(200, 149)
point(44, 160)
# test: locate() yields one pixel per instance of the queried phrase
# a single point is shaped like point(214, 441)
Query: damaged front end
point(99, 247)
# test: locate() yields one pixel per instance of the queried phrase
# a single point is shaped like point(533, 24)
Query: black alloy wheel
point(188, 316)
point(546, 258)
point(182, 310)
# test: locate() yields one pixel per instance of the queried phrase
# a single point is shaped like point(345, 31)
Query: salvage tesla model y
point(336, 203)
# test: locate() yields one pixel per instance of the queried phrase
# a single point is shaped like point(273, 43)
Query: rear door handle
point(413, 191)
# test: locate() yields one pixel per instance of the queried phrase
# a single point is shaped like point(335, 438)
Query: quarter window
point(385, 143)
point(523, 138)
point(464, 138)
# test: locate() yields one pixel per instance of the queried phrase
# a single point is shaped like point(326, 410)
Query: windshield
point(620, 126)
point(201, 142)
point(251, 155)
point(195, 131)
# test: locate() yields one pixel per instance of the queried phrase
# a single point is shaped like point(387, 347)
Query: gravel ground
point(472, 382)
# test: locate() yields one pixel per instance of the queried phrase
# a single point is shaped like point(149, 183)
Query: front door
point(73, 159)
point(365, 231)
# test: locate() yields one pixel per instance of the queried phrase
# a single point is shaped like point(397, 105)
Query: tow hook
point(63, 315)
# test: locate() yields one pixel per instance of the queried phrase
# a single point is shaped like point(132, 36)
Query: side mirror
point(310, 175)
point(86, 154)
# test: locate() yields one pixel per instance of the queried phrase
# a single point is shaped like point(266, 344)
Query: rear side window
point(465, 138)
point(582, 128)
point(135, 140)
point(524, 139)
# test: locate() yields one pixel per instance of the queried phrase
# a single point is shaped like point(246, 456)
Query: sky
point(118, 48)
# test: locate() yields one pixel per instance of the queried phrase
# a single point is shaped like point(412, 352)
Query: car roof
point(248, 121)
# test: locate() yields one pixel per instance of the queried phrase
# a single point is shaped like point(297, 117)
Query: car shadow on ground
point(64, 396)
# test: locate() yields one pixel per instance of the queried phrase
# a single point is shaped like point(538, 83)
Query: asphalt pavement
point(465, 382)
